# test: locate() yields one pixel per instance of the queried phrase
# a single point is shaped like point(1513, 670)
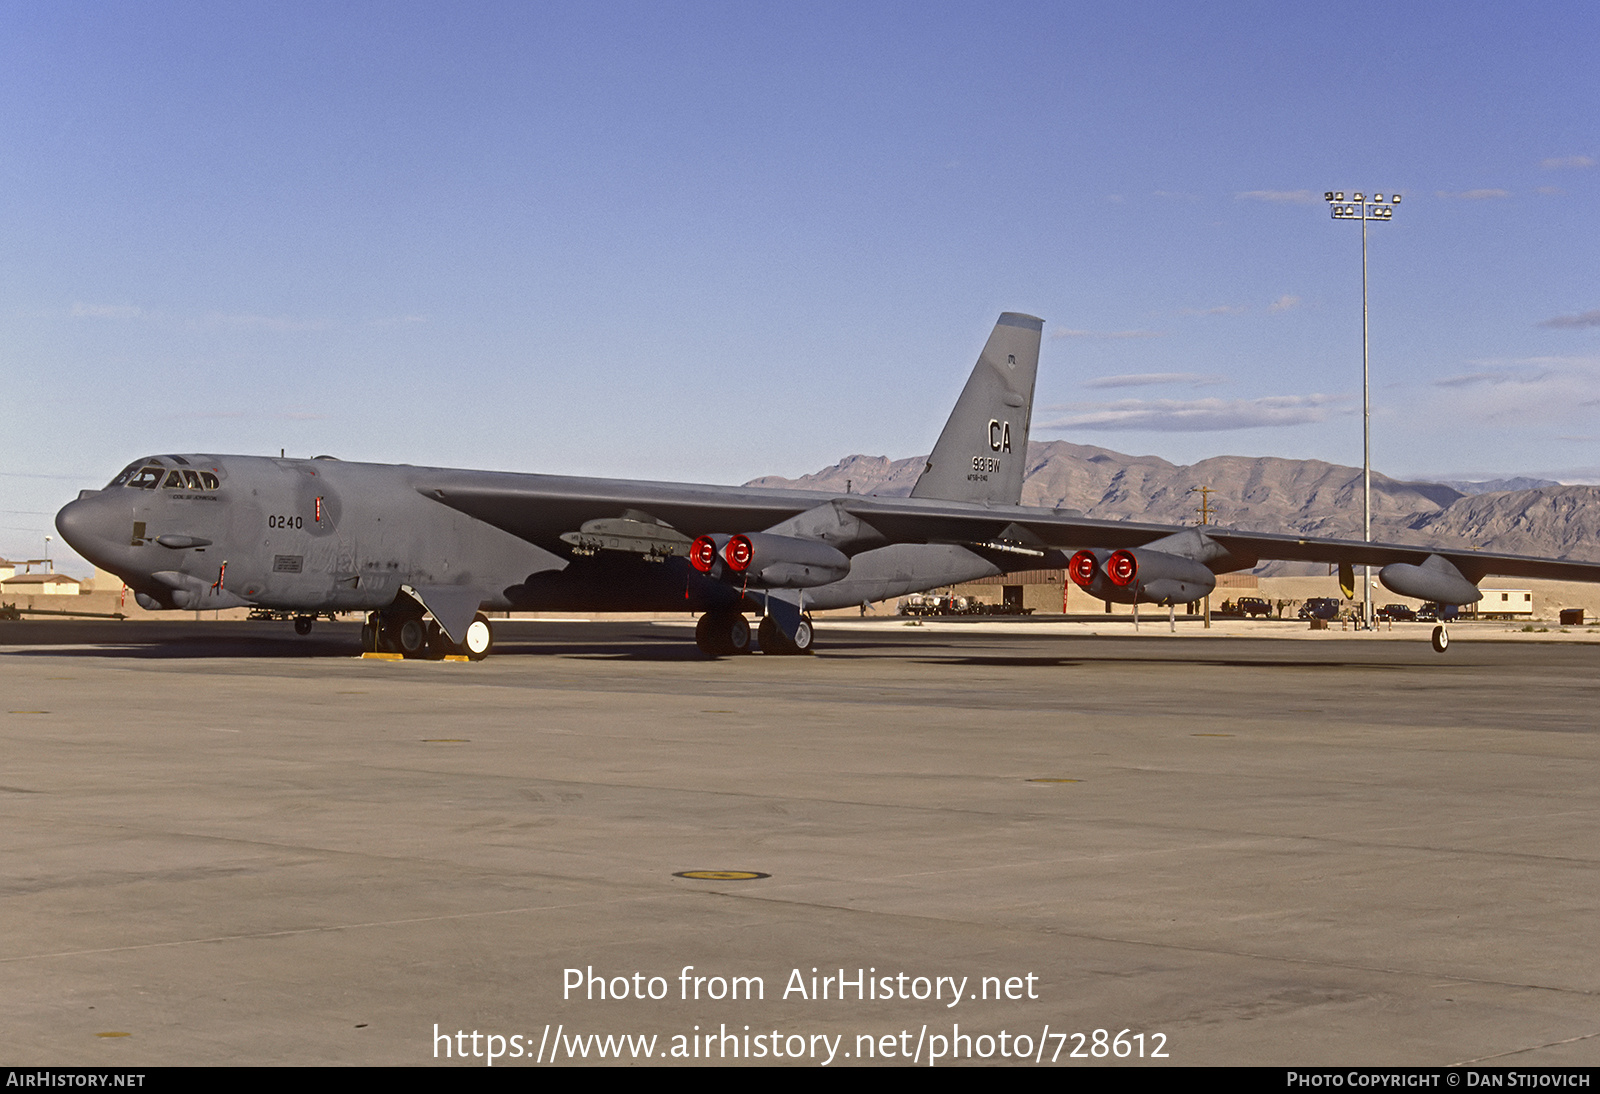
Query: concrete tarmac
point(229, 845)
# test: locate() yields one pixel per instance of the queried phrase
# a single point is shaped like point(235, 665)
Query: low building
point(1502, 604)
point(45, 584)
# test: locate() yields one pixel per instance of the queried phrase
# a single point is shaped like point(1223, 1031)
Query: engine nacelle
point(769, 561)
point(1141, 575)
point(1436, 579)
point(1086, 569)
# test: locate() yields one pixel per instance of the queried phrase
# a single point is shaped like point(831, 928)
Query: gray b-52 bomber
point(425, 551)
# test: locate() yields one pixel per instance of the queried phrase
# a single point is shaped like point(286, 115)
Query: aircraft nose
point(86, 525)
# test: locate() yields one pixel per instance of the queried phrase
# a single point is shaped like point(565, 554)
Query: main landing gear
point(410, 635)
point(773, 640)
point(724, 633)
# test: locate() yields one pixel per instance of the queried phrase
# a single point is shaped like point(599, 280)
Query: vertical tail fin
point(983, 451)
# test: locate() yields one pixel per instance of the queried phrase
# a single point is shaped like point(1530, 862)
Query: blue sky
point(707, 242)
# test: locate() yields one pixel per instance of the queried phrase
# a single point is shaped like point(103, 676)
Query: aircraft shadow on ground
point(1010, 661)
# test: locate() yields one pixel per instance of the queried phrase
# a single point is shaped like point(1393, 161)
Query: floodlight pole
point(1359, 208)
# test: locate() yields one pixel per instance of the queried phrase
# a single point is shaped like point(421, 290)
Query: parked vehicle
point(1253, 606)
point(1320, 607)
point(1436, 613)
point(1395, 613)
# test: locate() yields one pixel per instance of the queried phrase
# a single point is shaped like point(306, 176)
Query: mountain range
point(1518, 516)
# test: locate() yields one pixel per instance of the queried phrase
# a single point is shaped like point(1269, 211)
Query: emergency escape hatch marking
point(27, 712)
point(1211, 735)
point(447, 740)
point(1055, 780)
point(114, 1033)
point(721, 875)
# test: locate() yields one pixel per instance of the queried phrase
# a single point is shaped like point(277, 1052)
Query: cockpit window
point(150, 476)
point(126, 474)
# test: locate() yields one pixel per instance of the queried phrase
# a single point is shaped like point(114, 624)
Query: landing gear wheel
point(439, 644)
point(410, 636)
point(721, 634)
point(773, 640)
point(804, 636)
point(1441, 639)
point(736, 628)
point(302, 624)
point(706, 636)
point(479, 639)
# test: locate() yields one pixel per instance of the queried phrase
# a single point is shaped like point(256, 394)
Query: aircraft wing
point(1013, 527)
point(540, 508)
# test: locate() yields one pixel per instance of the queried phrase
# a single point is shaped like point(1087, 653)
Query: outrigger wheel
point(1441, 639)
point(721, 634)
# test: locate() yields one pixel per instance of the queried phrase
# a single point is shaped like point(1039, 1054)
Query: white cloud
point(1474, 195)
point(1220, 309)
point(1574, 322)
point(1196, 415)
point(1280, 197)
point(1532, 392)
point(1285, 303)
point(1067, 332)
point(105, 311)
point(277, 323)
point(1556, 163)
point(1152, 379)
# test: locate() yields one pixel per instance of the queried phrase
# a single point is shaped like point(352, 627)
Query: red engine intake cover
point(1122, 568)
point(739, 552)
point(1081, 568)
point(703, 554)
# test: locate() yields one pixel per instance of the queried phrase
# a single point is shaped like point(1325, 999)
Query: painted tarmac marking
point(721, 875)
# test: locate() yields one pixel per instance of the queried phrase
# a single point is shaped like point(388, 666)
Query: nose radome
point(86, 524)
point(72, 522)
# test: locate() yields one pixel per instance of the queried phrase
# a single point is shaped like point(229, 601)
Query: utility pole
point(1206, 511)
point(1360, 208)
